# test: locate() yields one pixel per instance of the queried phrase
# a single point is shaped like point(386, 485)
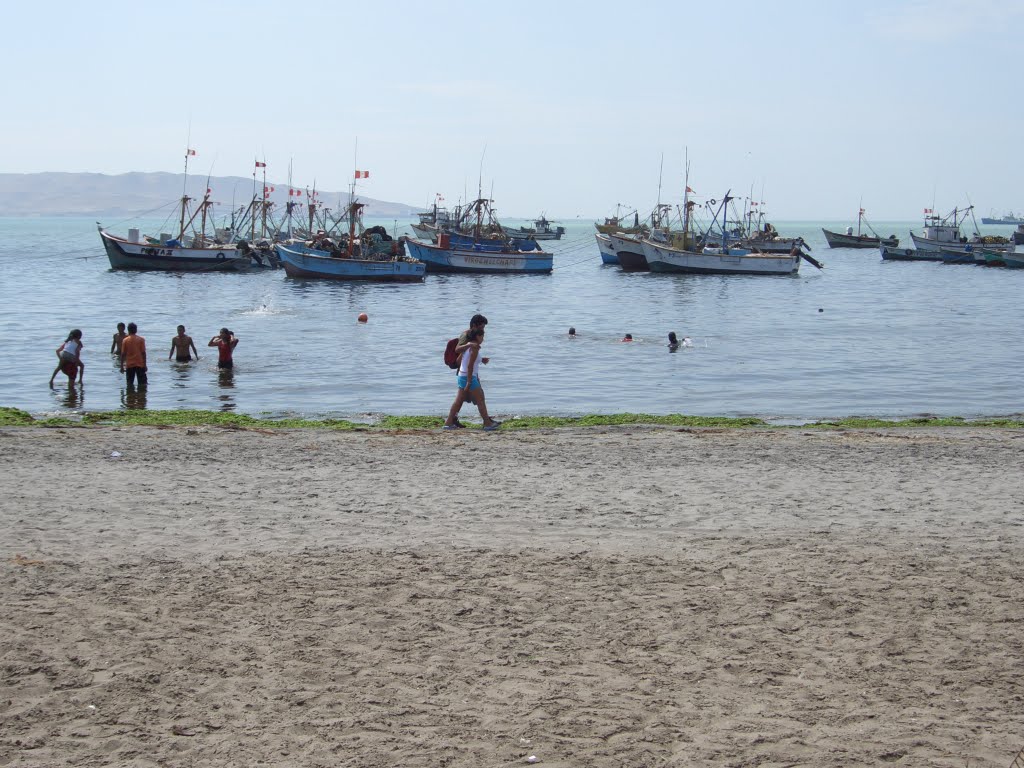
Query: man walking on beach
point(476, 323)
point(133, 358)
point(180, 346)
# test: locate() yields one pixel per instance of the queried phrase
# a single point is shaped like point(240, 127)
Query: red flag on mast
point(362, 174)
point(260, 165)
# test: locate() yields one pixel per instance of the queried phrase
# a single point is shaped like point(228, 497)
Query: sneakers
point(492, 426)
point(451, 426)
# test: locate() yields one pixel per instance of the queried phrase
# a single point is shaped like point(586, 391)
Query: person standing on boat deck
point(180, 346)
point(115, 344)
point(69, 358)
point(133, 358)
point(477, 322)
point(225, 343)
point(469, 383)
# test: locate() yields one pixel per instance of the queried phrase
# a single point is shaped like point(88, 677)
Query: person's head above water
point(672, 338)
point(628, 337)
point(572, 331)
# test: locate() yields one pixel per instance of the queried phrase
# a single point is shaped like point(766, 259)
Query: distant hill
point(128, 194)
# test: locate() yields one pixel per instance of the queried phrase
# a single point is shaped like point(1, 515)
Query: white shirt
point(465, 361)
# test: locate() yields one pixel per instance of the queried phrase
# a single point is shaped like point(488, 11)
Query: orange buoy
point(362, 317)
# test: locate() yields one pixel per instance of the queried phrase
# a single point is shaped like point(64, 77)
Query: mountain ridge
point(60, 193)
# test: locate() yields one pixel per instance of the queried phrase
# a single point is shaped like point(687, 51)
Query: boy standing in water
point(225, 343)
point(115, 345)
point(133, 358)
point(180, 346)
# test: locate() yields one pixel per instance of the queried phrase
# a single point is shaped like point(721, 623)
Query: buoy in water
point(362, 317)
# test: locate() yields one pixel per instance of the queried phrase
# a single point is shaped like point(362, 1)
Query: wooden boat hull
point(778, 245)
point(1013, 260)
point(604, 245)
point(424, 232)
point(909, 254)
point(842, 240)
point(124, 254)
point(957, 257)
point(927, 244)
point(535, 235)
point(986, 258)
point(630, 252)
point(456, 259)
point(662, 259)
point(303, 262)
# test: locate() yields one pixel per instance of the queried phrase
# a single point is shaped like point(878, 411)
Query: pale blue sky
point(818, 103)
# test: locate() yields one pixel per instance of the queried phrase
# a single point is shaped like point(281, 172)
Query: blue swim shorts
point(474, 385)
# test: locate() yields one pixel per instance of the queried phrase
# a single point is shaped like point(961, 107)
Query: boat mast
point(686, 196)
point(184, 189)
point(263, 222)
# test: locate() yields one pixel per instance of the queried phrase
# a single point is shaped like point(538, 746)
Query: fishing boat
point(474, 225)
point(447, 256)
point(617, 223)
point(628, 246)
point(722, 258)
point(768, 240)
point(170, 255)
point(943, 233)
point(629, 251)
point(301, 261)
point(541, 230)
point(607, 250)
point(433, 221)
point(761, 235)
point(190, 249)
point(908, 254)
point(859, 240)
point(371, 255)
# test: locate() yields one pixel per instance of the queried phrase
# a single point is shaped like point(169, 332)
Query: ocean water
point(862, 337)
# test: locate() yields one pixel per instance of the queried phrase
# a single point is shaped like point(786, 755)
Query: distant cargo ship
point(1009, 219)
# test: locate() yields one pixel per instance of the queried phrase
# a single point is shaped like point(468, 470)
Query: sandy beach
point(583, 597)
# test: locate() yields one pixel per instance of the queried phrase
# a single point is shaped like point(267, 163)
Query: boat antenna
point(971, 210)
point(661, 171)
point(188, 152)
point(480, 177)
point(355, 172)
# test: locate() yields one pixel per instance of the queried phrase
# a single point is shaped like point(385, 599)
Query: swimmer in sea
point(181, 346)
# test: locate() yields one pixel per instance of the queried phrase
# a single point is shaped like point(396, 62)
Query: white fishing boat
point(942, 233)
point(722, 258)
point(190, 249)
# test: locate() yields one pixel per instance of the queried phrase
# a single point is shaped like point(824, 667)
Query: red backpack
point(451, 357)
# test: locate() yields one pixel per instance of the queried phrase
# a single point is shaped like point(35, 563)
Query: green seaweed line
point(14, 417)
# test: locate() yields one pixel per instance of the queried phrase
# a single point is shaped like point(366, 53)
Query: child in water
point(69, 358)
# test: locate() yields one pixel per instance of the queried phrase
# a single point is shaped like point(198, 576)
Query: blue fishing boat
point(368, 257)
point(299, 260)
point(449, 257)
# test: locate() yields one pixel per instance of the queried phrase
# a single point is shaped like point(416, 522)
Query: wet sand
point(590, 597)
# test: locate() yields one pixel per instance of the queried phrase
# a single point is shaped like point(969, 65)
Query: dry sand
point(590, 597)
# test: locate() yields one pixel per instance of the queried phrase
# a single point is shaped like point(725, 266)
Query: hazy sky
point(817, 103)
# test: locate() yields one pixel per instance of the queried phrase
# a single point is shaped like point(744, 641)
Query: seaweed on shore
point(15, 417)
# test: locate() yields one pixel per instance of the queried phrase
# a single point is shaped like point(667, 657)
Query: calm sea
point(862, 337)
